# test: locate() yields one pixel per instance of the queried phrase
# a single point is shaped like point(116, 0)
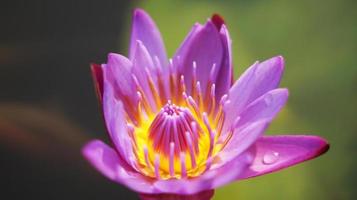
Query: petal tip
point(324, 145)
point(280, 61)
point(275, 62)
point(140, 17)
point(210, 27)
point(88, 148)
point(111, 56)
point(117, 59)
point(284, 91)
point(217, 20)
point(139, 43)
point(138, 12)
point(321, 146)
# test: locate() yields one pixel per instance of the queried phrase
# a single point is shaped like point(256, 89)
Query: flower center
point(177, 142)
point(174, 127)
point(175, 133)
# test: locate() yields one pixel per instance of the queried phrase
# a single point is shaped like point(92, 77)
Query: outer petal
point(185, 45)
point(114, 115)
point(288, 149)
point(211, 179)
point(264, 109)
point(145, 30)
point(252, 123)
point(97, 75)
point(242, 139)
point(255, 81)
point(203, 46)
point(120, 69)
point(103, 158)
point(224, 77)
point(107, 161)
point(266, 106)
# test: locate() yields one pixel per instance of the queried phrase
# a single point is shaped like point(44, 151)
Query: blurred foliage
point(318, 41)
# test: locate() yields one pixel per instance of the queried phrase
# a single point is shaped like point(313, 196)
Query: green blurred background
point(48, 108)
point(318, 40)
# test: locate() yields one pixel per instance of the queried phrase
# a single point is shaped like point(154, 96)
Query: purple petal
point(186, 44)
point(254, 82)
point(225, 74)
point(273, 153)
point(109, 163)
point(241, 140)
point(145, 30)
point(211, 179)
point(203, 46)
point(115, 121)
point(266, 106)
point(103, 158)
point(119, 68)
point(143, 62)
point(97, 75)
point(253, 122)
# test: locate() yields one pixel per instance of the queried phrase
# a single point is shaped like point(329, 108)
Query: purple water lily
point(181, 126)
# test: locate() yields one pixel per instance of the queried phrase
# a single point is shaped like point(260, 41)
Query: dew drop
point(270, 157)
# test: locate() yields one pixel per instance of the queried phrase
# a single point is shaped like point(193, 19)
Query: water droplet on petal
point(270, 157)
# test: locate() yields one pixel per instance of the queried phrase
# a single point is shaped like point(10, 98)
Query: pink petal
point(203, 46)
point(211, 179)
point(186, 44)
point(254, 82)
point(142, 61)
point(224, 77)
point(103, 158)
point(110, 164)
point(273, 153)
point(145, 30)
point(118, 69)
point(241, 140)
point(115, 121)
point(253, 121)
point(266, 106)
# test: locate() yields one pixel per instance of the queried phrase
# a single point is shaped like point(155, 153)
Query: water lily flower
point(182, 126)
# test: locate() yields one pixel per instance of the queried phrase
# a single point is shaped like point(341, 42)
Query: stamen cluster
point(179, 138)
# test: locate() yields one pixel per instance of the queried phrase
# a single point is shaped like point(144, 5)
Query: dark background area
point(47, 96)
